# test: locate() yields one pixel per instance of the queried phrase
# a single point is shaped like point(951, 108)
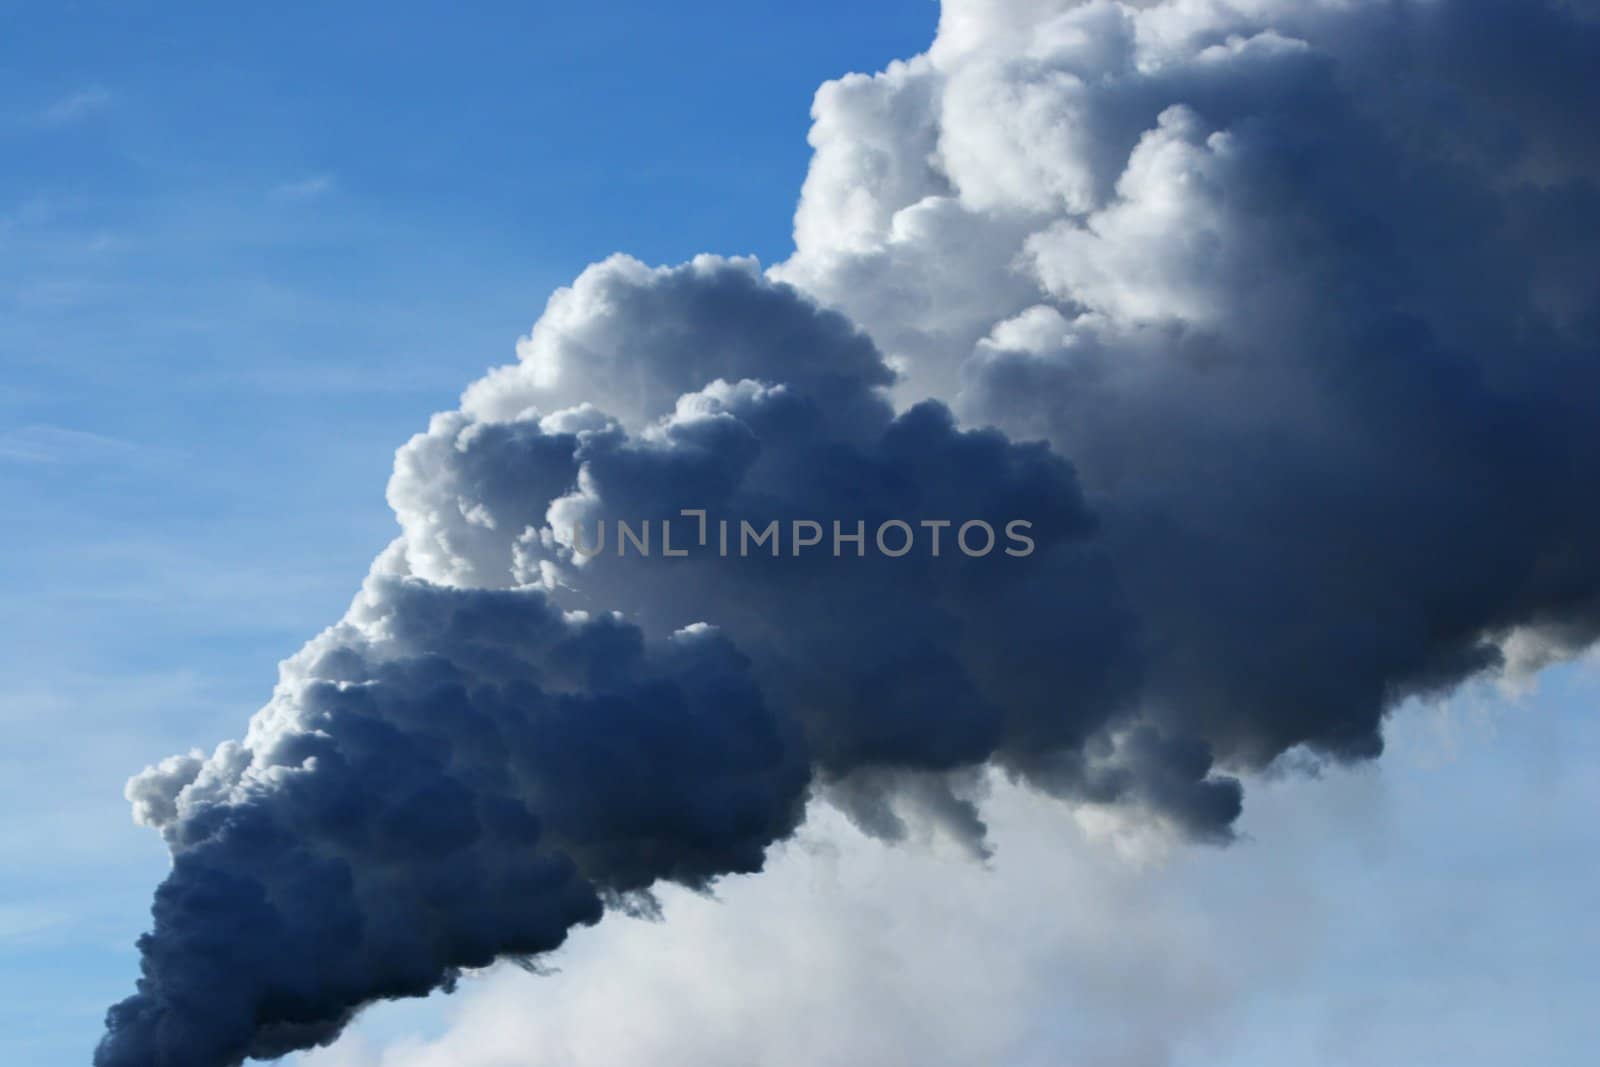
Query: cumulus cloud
point(1285, 376)
point(920, 662)
point(1285, 282)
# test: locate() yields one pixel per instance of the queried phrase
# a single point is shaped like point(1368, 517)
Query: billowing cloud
point(1259, 337)
point(1374, 914)
point(445, 778)
point(1296, 287)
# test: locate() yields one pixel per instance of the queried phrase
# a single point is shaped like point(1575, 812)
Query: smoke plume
point(1276, 323)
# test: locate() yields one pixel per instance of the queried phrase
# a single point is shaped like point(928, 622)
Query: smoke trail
point(376, 820)
point(1282, 318)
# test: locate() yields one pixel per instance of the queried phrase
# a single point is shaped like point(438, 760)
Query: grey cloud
point(445, 778)
point(1278, 320)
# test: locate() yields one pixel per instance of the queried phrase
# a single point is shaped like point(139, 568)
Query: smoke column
point(1278, 322)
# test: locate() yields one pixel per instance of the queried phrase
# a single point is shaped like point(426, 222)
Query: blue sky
point(243, 256)
point(245, 253)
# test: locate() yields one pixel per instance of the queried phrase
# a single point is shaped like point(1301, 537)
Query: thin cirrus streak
point(1276, 321)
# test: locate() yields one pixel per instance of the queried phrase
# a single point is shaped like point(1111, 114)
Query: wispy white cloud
point(311, 187)
point(57, 444)
point(77, 105)
point(20, 922)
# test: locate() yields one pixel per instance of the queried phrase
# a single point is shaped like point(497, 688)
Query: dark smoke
point(1287, 346)
point(469, 786)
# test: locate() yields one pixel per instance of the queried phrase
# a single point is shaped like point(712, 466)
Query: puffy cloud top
point(1276, 323)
